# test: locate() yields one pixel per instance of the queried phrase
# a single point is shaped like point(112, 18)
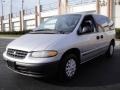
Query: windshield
point(58, 24)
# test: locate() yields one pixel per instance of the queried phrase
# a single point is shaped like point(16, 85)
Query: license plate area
point(11, 64)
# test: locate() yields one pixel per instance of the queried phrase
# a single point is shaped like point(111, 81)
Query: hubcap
point(111, 49)
point(70, 68)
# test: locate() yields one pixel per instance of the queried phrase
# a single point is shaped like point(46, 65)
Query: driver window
point(87, 25)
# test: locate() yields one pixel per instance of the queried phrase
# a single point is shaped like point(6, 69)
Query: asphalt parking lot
point(99, 74)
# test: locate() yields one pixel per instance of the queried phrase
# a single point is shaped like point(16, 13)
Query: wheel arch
point(112, 42)
point(75, 51)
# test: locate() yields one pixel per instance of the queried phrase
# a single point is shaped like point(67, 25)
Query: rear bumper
point(34, 70)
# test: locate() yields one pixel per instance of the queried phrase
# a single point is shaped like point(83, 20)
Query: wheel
point(110, 51)
point(68, 67)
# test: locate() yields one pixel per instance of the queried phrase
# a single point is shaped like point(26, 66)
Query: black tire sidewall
point(63, 75)
point(109, 49)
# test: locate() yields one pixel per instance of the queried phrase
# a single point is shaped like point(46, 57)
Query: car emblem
point(14, 52)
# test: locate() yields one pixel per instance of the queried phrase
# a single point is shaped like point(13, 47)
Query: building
point(29, 19)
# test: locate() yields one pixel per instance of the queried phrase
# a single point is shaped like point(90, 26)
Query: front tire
point(68, 67)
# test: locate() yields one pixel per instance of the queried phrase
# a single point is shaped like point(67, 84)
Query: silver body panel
point(88, 45)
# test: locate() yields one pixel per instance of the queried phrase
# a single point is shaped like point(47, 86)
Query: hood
point(31, 42)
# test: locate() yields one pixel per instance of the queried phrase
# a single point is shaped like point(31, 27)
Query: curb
point(8, 37)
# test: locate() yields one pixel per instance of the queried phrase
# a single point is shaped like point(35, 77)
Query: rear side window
point(100, 19)
point(111, 24)
point(103, 21)
point(108, 20)
point(100, 28)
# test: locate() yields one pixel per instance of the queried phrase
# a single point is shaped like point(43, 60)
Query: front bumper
point(34, 70)
point(35, 67)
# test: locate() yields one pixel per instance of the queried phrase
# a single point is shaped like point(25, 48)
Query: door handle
point(97, 37)
point(101, 36)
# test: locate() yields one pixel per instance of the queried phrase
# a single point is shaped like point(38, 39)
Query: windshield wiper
point(48, 31)
point(61, 32)
point(44, 31)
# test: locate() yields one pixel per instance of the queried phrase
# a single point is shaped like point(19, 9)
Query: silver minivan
point(60, 44)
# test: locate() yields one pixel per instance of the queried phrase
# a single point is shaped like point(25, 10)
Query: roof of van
point(82, 14)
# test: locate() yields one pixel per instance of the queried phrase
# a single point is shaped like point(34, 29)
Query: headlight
point(44, 54)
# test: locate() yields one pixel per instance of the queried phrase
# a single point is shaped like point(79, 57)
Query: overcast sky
point(17, 5)
point(28, 4)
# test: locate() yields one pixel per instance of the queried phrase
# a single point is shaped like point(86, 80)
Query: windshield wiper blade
point(60, 32)
point(49, 31)
point(43, 30)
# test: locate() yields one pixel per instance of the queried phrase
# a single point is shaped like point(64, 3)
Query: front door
point(89, 39)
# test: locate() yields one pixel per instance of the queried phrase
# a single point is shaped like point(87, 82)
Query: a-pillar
point(22, 20)
point(10, 23)
point(97, 7)
point(62, 6)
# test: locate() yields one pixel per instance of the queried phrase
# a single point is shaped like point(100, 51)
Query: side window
point(108, 20)
point(88, 25)
point(110, 23)
point(102, 21)
point(100, 28)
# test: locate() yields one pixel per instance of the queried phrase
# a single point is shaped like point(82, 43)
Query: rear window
point(104, 22)
point(100, 19)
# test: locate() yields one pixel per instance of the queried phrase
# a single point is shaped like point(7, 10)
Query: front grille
point(16, 53)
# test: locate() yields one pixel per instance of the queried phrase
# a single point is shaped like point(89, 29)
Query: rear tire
point(110, 50)
point(68, 67)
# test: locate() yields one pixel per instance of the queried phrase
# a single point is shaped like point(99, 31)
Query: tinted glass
point(64, 23)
